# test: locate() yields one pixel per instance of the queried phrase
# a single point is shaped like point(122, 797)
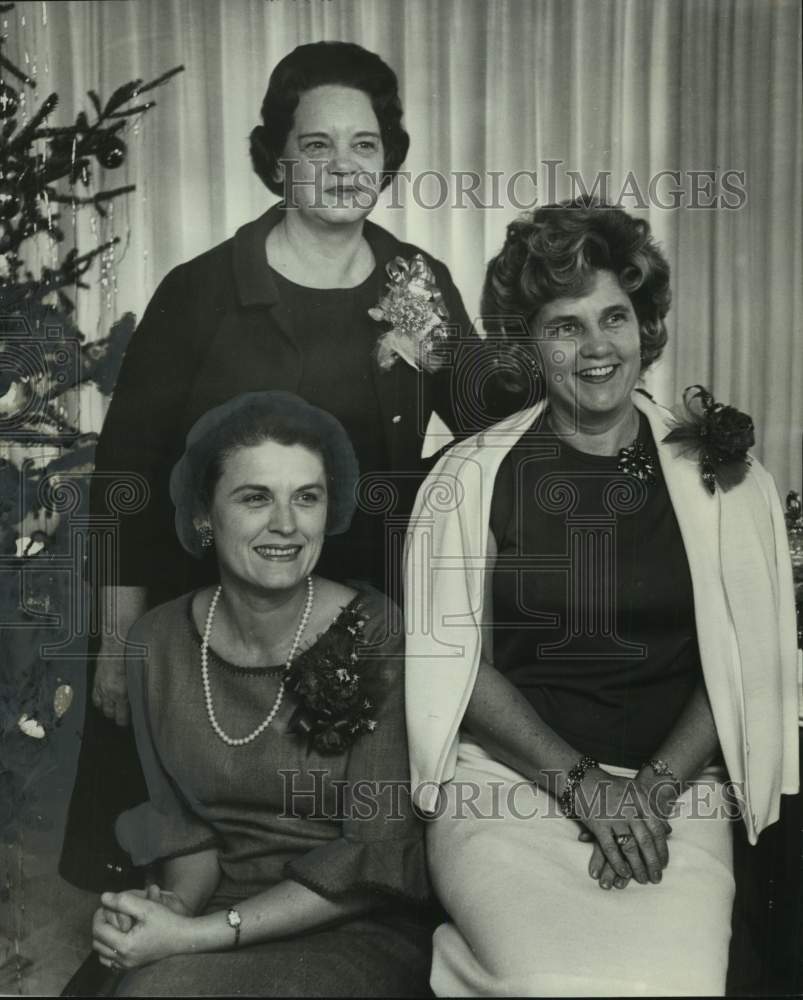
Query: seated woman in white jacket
point(601, 643)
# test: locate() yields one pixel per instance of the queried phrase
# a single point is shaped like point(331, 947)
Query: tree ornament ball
point(62, 699)
point(9, 200)
point(14, 398)
point(9, 101)
point(111, 153)
point(31, 727)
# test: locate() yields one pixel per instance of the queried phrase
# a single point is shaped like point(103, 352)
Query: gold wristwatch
point(234, 921)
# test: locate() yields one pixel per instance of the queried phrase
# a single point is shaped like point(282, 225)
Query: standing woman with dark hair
point(285, 305)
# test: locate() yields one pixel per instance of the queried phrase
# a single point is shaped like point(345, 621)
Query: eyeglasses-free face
point(268, 515)
point(591, 352)
point(333, 157)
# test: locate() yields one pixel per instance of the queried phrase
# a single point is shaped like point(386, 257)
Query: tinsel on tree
point(47, 178)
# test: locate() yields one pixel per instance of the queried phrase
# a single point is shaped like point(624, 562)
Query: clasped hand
point(139, 926)
point(627, 825)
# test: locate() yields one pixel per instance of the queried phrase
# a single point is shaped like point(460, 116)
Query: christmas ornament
point(31, 727)
point(15, 398)
point(62, 699)
point(9, 101)
point(9, 200)
point(27, 546)
point(111, 152)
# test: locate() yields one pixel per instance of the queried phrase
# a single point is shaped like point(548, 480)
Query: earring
point(205, 535)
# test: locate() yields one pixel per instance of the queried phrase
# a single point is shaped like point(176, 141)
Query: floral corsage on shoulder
point(718, 435)
point(337, 703)
point(414, 308)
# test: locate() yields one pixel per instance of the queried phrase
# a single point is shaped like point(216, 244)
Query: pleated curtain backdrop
point(497, 88)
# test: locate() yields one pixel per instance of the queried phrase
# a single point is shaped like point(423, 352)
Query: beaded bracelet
point(576, 775)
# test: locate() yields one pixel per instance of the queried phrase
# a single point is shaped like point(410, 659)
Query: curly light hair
point(555, 252)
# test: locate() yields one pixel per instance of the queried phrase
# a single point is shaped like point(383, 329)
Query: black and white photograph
point(401, 534)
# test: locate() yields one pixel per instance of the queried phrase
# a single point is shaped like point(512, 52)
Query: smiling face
point(590, 346)
point(334, 155)
point(268, 515)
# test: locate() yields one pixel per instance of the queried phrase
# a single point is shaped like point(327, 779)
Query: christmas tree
point(47, 174)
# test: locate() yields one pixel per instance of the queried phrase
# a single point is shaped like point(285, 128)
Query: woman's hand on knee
point(632, 849)
point(123, 922)
point(628, 834)
point(601, 871)
point(598, 867)
point(155, 931)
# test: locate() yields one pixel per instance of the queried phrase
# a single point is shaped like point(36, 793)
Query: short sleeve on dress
point(381, 847)
point(149, 835)
point(164, 827)
point(396, 868)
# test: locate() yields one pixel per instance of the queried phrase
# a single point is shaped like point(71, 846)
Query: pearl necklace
point(210, 710)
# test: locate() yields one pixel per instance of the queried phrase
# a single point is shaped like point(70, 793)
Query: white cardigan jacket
point(738, 557)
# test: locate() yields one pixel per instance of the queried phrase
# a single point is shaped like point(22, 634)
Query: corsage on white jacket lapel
point(735, 543)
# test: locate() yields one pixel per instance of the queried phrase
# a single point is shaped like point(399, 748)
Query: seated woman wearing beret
point(268, 713)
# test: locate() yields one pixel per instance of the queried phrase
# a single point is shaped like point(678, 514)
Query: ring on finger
point(623, 839)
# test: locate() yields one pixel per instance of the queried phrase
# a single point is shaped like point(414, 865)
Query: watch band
point(661, 769)
point(234, 920)
point(665, 774)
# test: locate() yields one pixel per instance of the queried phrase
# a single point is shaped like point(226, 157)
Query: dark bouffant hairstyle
point(318, 64)
point(554, 253)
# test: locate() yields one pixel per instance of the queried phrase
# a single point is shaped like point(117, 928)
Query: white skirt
point(528, 920)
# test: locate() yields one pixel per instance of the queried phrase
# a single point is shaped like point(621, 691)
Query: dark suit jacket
point(217, 327)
